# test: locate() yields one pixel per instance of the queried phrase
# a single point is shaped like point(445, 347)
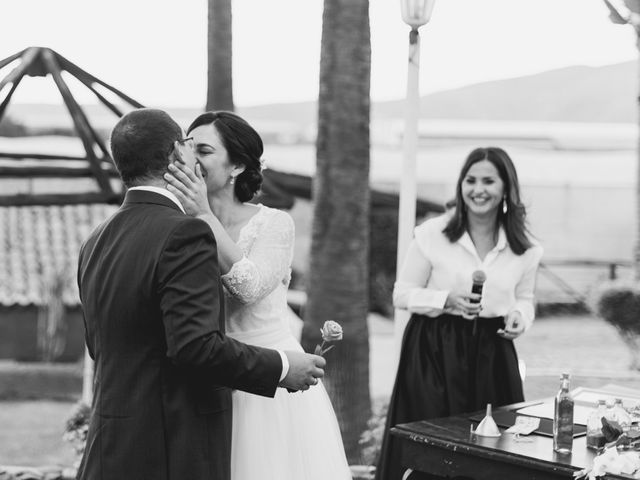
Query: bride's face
point(213, 157)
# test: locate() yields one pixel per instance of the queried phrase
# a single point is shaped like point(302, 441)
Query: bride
point(294, 436)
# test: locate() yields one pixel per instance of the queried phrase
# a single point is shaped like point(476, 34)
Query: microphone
point(478, 278)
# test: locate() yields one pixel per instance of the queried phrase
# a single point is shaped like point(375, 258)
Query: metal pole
point(87, 378)
point(407, 207)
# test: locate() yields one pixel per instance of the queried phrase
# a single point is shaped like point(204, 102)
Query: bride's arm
point(268, 264)
point(228, 252)
point(246, 278)
point(191, 190)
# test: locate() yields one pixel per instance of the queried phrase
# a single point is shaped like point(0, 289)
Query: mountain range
point(573, 94)
point(606, 94)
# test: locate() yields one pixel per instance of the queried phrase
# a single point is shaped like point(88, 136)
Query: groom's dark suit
point(153, 307)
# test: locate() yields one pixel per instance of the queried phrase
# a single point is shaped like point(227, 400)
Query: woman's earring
point(504, 205)
point(232, 180)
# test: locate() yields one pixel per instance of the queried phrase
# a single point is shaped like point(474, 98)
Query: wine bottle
point(563, 418)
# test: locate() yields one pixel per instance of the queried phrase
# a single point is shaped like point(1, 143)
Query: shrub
point(382, 259)
point(618, 303)
point(77, 426)
point(371, 439)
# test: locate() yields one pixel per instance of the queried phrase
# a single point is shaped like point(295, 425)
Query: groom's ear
point(174, 156)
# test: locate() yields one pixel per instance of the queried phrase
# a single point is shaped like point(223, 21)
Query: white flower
point(629, 462)
point(331, 331)
point(604, 462)
point(610, 461)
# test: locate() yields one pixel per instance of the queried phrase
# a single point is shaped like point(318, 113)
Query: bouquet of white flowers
point(621, 454)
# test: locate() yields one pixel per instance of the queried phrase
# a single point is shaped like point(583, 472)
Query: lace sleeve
point(268, 262)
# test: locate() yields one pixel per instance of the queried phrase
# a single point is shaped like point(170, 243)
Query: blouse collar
point(467, 243)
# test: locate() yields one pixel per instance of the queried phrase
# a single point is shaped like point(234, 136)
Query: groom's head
point(141, 143)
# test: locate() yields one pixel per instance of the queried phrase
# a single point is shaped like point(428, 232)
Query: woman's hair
point(514, 220)
point(244, 146)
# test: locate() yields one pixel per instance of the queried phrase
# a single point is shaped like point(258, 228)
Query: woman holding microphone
point(468, 280)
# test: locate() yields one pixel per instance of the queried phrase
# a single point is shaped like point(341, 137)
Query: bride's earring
point(232, 180)
point(504, 205)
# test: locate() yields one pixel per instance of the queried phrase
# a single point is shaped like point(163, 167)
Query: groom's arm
point(192, 310)
point(191, 303)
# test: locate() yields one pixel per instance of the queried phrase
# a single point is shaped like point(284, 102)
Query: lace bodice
point(256, 286)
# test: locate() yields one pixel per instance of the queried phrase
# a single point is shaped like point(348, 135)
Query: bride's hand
point(189, 187)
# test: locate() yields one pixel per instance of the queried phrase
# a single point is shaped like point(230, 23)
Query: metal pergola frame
point(98, 164)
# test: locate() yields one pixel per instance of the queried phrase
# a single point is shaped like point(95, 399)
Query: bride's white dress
point(294, 436)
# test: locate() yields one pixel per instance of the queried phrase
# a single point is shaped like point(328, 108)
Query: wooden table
point(446, 447)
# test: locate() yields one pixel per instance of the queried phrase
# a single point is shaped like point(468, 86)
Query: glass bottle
point(621, 415)
point(609, 412)
point(563, 418)
point(595, 437)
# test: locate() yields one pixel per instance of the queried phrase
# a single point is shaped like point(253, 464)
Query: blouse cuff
point(526, 312)
point(421, 299)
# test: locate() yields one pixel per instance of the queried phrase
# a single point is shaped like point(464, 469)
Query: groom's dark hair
point(141, 142)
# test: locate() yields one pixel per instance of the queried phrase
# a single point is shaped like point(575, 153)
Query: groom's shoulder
point(185, 228)
point(151, 224)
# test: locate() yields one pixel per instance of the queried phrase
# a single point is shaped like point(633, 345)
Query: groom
point(152, 301)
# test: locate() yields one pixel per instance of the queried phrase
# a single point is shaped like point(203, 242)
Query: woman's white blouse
point(434, 266)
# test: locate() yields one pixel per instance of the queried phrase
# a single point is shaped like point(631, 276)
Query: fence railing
point(575, 278)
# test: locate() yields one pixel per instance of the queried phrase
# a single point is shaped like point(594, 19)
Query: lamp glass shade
point(416, 13)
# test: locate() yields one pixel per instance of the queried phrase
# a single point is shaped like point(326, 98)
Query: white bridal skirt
point(293, 436)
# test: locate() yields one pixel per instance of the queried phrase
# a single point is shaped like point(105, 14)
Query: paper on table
point(586, 399)
point(545, 410)
point(524, 425)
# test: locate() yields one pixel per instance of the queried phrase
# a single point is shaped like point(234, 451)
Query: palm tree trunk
point(220, 53)
point(339, 270)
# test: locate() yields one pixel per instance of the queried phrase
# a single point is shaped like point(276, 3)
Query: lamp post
point(415, 13)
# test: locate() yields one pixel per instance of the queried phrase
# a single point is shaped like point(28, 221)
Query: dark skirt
point(446, 369)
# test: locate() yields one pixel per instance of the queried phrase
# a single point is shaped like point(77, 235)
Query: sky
point(155, 50)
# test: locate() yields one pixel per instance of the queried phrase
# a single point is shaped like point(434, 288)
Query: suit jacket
point(153, 308)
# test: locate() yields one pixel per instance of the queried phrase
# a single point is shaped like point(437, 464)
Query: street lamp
point(415, 13)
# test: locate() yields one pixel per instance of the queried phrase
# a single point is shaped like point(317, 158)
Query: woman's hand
point(189, 187)
point(514, 326)
point(466, 304)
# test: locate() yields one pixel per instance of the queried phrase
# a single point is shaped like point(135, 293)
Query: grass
point(31, 433)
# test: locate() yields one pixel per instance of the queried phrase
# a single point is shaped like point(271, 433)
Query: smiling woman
point(482, 189)
point(458, 353)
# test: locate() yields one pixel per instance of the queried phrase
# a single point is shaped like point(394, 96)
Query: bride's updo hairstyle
point(244, 146)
